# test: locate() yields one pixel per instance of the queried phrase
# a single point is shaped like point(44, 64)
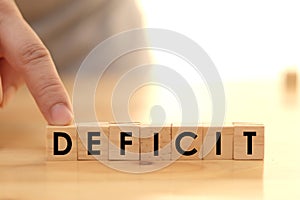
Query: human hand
point(24, 58)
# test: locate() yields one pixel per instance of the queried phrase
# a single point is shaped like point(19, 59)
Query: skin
point(25, 59)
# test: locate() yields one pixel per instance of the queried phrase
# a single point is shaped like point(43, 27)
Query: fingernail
point(61, 114)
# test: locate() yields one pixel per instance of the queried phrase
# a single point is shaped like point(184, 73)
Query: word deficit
point(133, 141)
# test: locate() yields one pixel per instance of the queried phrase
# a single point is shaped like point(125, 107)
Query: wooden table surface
point(24, 173)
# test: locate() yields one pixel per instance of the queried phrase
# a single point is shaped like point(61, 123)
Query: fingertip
point(60, 115)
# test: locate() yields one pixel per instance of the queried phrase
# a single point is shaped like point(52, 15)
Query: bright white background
point(254, 39)
point(249, 41)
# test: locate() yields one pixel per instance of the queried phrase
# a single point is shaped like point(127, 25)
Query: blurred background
point(72, 28)
point(243, 39)
point(247, 41)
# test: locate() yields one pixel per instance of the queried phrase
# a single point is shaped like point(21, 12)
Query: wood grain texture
point(147, 140)
point(240, 142)
point(187, 143)
point(226, 140)
point(70, 131)
point(132, 151)
point(98, 132)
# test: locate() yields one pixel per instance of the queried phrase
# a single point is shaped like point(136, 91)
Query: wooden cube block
point(124, 142)
point(248, 141)
point(92, 141)
point(218, 143)
point(291, 80)
point(186, 142)
point(61, 143)
point(155, 142)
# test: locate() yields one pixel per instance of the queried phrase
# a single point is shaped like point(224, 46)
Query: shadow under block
point(92, 141)
point(218, 143)
point(124, 143)
point(186, 142)
point(61, 143)
point(155, 142)
point(248, 142)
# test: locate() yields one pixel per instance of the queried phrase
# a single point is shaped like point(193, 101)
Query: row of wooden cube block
point(133, 141)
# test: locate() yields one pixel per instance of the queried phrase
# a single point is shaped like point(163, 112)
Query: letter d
point(68, 148)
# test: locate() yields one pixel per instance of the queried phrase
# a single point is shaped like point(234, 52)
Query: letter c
point(178, 140)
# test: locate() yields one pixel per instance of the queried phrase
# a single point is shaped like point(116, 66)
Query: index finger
point(26, 53)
